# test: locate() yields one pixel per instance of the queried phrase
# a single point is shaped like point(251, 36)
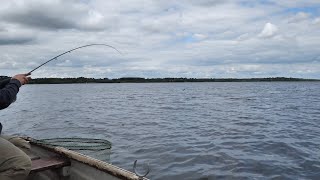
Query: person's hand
point(23, 78)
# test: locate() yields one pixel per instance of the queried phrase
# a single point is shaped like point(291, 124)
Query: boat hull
point(64, 164)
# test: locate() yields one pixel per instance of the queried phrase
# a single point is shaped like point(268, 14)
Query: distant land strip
point(155, 80)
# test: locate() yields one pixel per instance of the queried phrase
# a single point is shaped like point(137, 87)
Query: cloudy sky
point(162, 38)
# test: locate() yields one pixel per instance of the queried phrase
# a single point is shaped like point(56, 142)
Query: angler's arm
point(3, 83)
point(9, 92)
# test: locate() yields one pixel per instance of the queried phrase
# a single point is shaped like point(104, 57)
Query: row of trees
point(144, 80)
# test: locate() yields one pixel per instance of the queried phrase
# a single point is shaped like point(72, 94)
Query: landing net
point(77, 143)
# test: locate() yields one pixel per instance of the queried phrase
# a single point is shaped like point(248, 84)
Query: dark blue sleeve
point(9, 92)
point(3, 83)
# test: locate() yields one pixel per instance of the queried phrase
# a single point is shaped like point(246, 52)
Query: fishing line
point(54, 58)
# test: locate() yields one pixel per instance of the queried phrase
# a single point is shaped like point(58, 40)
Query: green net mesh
point(78, 143)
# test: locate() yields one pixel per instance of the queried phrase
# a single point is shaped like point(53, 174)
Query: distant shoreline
point(156, 80)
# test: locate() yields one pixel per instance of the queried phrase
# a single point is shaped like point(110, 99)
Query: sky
point(162, 38)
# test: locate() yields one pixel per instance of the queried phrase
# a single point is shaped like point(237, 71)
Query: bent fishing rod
point(54, 58)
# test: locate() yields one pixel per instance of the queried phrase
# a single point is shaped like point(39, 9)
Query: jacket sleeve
point(9, 92)
point(3, 83)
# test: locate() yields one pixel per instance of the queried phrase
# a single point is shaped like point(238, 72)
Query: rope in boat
point(77, 143)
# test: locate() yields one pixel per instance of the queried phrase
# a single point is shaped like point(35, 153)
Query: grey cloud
point(208, 2)
point(40, 19)
point(15, 40)
point(162, 38)
point(301, 16)
point(53, 15)
point(9, 65)
point(15, 37)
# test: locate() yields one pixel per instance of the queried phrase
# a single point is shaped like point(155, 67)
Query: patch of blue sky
point(187, 39)
point(312, 10)
point(250, 3)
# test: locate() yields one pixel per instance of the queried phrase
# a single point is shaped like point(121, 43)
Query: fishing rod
point(54, 58)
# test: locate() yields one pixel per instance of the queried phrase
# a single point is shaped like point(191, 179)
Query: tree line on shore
point(154, 80)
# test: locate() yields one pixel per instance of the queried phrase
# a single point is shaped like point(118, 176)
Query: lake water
point(265, 130)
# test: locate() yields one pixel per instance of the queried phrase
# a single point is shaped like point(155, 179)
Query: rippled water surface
point(265, 130)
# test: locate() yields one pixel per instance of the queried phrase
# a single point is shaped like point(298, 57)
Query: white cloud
point(316, 21)
point(198, 36)
point(268, 31)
